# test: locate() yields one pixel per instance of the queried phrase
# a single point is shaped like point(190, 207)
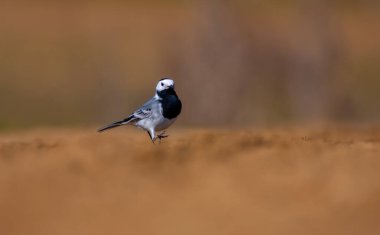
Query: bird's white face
point(164, 84)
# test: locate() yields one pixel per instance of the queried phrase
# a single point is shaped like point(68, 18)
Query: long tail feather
point(116, 124)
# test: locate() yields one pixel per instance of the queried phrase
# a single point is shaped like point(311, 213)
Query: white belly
point(165, 124)
point(159, 124)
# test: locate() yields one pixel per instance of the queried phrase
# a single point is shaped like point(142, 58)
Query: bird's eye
point(162, 84)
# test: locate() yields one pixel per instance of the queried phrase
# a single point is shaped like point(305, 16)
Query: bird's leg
point(151, 138)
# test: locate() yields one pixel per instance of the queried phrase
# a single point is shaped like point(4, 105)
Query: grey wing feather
point(145, 111)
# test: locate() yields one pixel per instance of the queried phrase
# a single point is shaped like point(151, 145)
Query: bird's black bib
point(171, 104)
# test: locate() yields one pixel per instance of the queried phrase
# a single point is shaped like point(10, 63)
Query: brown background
point(250, 62)
point(279, 133)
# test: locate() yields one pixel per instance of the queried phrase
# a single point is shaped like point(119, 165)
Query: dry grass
point(283, 181)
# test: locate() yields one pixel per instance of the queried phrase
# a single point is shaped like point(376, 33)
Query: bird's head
point(165, 84)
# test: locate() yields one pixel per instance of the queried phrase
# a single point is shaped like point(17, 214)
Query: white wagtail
point(157, 114)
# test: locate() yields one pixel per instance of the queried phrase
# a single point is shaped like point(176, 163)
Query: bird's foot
point(162, 136)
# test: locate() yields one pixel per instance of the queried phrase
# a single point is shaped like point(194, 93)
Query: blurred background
point(244, 61)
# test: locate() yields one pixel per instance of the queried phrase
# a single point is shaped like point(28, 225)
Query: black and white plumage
point(157, 114)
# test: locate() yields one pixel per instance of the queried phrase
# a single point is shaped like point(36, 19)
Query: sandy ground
point(278, 181)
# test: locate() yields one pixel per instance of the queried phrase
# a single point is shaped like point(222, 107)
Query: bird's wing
point(145, 111)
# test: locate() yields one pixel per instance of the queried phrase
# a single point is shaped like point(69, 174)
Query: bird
point(157, 114)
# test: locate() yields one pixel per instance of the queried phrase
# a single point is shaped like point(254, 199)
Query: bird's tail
point(116, 124)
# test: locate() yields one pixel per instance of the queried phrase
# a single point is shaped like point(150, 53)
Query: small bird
point(157, 114)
